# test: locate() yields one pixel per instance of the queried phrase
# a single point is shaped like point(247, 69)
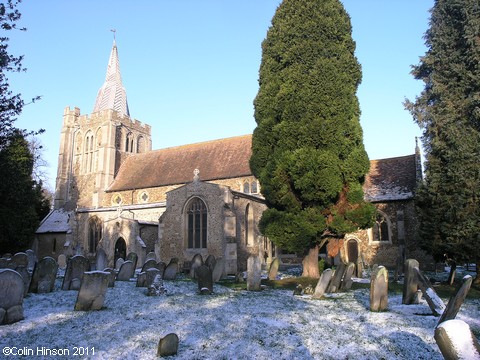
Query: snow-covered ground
point(230, 324)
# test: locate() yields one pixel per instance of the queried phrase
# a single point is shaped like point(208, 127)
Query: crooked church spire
point(112, 94)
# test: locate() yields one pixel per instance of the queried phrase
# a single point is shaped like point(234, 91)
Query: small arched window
point(196, 223)
point(140, 144)
point(381, 231)
point(246, 187)
point(129, 143)
point(88, 152)
point(94, 234)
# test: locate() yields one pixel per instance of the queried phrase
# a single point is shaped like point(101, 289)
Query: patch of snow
point(459, 333)
point(230, 324)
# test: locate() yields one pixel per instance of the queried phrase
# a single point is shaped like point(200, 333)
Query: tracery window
point(250, 187)
point(196, 223)
point(88, 153)
point(381, 231)
point(94, 234)
point(129, 142)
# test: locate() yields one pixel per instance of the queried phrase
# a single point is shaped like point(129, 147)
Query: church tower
point(92, 147)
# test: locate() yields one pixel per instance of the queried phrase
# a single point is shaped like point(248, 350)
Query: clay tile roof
point(217, 159)
point(391, 179)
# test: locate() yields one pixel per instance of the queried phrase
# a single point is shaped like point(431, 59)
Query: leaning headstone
point(150, 276)
point(204, 279)
point(456, 300)
point(141, 279)
point(161, 267)
point(76, 267)
point(273, 271)
point(151, 263)
point(22, 270)
point(456, 341)
point(11, 296)
point(197, 261)
point(347, 278)
point(91, 295)
point(156, 288)
point(43, 277)
point(32, 259)
point(436, 304)
point(210, 261)
point(100, 259)
point(20, 259)
point(126, 272)
point(168, 345)
point(119, 263)
point(254, 268)
point(322, 284)
point(218, 270)
point(379, 289)
point(151, 256)
point(62, 261)
point(133, 257)
point(111, 277)
point(171, 270)
point(410, 283)
point(337, 278)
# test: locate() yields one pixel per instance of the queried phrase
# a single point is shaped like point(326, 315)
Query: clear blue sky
point(190, 67)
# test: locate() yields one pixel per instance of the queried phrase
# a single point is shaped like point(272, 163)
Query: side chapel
point(114, 192)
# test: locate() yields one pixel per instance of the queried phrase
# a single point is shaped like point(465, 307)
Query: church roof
point(391, 179)
point(217, 159)
point(55, 222)
point(388, 179)
point(112, 94)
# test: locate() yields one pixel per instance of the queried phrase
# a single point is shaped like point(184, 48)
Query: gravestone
point(151, 256)
point(20, 259)
point(119, 263)
point(141, 279)
point(161, 267)
point(347, 278)
point(5, 263)
point(151, 263)
point(91, 295)
point(126, 272)
point(298, 290)
point(456, 300)
point(410, 283)
point(210, 262)
point(254, 269)
point(379, 289)
point(197, 261)
point(156, 288)
point(133, 257)
point(273, 271)
point(337, 278)
point(204, 279)
point(322, 284)
point(111, 277)
point(168, 345)
point(11, 296)
point(32, 259)
point(456, 341)
point(22, 270)
point(218, 270)
point(43, 277)
point(436, 304)
point(76, 267)
point(171, 270)
point(62, 261)
point(151, 274)
point(100, 259)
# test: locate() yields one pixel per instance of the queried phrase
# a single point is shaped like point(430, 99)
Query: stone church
point(114, 192)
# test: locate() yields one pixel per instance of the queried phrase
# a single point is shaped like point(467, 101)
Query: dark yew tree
point(448, 111)
point(308, 151)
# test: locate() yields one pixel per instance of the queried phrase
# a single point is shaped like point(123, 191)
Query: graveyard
point(226, 320)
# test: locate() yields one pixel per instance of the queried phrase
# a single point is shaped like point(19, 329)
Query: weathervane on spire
point(114, 31)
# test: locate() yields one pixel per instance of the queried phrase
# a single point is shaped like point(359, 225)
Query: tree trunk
point(310, 263)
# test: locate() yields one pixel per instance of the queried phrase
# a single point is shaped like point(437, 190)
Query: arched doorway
point(352, 251)
point(120, 250)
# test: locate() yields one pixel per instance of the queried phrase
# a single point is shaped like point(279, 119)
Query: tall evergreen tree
point(20, 196)
point(448, 111)
point(308, 151)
